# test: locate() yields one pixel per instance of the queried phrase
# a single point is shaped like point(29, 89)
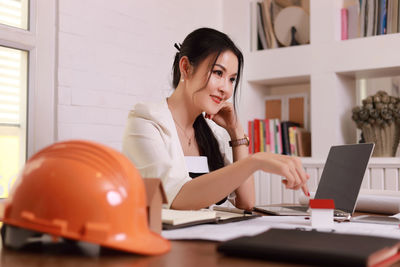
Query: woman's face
point(220, 86)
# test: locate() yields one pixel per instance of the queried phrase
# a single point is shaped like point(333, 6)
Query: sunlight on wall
point(9, 161)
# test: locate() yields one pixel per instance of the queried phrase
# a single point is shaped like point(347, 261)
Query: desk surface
point(183, 253)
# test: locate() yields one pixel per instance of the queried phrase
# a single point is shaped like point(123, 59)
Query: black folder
point(314, 248)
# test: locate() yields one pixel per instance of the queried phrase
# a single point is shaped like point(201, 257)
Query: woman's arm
point(227, 119)
point(209, 188)
point(245, 193)
point(238, 176)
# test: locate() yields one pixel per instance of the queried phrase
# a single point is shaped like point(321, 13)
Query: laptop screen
point(343, 174)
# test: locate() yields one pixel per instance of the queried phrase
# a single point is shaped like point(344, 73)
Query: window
point(27, 58)
point(13, 76)
point(13, 97)
point(14, 13)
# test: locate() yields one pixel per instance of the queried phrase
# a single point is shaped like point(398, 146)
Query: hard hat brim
point(144, 243)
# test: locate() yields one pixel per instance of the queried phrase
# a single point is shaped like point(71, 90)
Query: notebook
point(315, 248)
point(175, 219)
point(340, 180)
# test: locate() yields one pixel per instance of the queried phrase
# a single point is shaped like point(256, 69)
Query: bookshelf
point(328, 66)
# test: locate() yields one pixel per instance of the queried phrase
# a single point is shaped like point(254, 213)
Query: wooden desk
point(183, 253)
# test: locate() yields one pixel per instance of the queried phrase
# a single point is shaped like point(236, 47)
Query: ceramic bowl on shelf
point(288, 18)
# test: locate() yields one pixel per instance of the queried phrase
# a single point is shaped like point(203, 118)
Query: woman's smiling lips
point(216, 99)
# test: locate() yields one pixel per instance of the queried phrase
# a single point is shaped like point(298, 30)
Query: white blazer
point(151, 142)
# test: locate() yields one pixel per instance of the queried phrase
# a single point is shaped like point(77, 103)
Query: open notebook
point(340, 180)
point(173, 219)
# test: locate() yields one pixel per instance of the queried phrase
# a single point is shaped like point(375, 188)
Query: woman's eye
point(218, 72)
point(233, 80)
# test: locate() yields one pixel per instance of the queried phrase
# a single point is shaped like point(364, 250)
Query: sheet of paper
point(223, 232)
point(384, 230)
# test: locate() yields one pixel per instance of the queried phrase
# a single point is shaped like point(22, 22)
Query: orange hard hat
point(84, 191)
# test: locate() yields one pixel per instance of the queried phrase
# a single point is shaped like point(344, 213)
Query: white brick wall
point(112, 54)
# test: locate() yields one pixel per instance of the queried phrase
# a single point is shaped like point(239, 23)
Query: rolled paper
point(375, 201)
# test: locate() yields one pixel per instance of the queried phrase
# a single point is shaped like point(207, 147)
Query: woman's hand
point(226, 117)
point(287, 166)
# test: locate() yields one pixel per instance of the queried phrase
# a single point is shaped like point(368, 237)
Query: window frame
point(40, 42)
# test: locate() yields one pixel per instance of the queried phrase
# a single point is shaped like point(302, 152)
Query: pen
point(233, 210)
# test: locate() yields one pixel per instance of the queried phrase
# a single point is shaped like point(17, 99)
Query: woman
point(206, 73)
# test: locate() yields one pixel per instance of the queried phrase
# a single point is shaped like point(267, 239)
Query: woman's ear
point(185, 67)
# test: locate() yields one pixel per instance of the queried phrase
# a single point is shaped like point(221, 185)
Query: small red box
point(322, 204)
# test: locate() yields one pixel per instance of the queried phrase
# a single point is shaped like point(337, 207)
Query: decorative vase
point(386, 138)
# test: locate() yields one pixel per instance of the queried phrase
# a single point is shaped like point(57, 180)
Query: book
point(395, 19)
point(392, 16)
point(262, 135)
point(256, 135)
point(272, 135)
point(254, 27)
point(261, 27)
point(267, 6)
point(353, 21)
point(250, 134)
point(174, 219)
point(267, 136)
point(363, 18)
point(303, 141)
point(285, 136)
point(389, 16)
point(344, 23)
point(370, 16)
point(398, 17)
point(376, 17)
point(382, 13)
point(292, 141)
point(315, 248)
point(278, 135)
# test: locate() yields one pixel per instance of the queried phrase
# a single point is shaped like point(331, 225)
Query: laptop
point(340, 180)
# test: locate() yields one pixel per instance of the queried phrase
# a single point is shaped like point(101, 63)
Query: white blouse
point(151, 142)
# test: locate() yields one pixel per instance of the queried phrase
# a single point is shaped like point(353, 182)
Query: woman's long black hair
point(197, 46)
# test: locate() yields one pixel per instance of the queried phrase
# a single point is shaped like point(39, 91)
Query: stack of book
point(361, 18)
point(265, 33)
point(272, 135)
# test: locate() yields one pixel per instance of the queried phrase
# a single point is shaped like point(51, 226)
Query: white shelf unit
point(330, 69)
point(329, 66)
